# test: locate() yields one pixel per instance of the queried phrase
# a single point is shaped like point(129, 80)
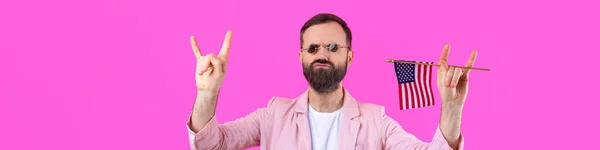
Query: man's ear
point(350, 56)
point(300, 56)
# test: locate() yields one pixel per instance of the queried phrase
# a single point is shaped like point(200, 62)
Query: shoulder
point(371, 110)
point(373, 116)
point(280, 109)
point(282, 106)
point(281, 102)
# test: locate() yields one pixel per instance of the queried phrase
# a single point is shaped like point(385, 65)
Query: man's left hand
point(452, 82)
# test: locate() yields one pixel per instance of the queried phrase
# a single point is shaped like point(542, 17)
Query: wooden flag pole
point(418, 63)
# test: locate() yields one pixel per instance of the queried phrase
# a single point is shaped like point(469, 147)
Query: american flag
point(414, 85)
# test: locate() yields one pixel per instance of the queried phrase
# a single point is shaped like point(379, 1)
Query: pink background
point(118, 74)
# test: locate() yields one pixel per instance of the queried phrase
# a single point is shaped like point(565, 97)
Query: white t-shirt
point(324, 129)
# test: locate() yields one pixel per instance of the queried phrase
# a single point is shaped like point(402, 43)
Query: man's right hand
point(210, 72)
point(210, 69)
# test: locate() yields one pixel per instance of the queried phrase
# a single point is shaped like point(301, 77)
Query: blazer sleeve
point(398, 138)
point(238, 134)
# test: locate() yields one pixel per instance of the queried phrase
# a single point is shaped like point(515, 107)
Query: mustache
point(321, 61)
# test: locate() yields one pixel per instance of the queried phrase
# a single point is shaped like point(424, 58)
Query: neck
point(326, 102)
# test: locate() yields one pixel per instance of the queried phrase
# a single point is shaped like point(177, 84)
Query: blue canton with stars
point(405, 72)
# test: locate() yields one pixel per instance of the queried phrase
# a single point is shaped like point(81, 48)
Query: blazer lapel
point(301, 119)
point(350, 123)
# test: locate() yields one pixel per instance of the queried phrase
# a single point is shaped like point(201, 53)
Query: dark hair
point(326, 18)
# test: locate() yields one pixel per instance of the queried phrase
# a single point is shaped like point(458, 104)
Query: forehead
point(325, 32)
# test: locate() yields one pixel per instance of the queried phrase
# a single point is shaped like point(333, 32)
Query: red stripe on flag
point(417, 98)
point(430, 88)
point(400, 95)
point(406, 96)
point(424, 82)
point(420, 79)
point(425, 85)
point(415, 93)
point(412, 94)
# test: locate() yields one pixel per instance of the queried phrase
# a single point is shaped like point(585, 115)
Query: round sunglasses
point(332, 47)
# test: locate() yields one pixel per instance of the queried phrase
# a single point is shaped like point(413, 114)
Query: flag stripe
point(429, 91)
point(417, 96)
point(407, 99)
point(424, 82)
point(412, 94)
point(404, 102)
point(420, 82)
point(416, 86)
point(409, 95)
point(400, 95)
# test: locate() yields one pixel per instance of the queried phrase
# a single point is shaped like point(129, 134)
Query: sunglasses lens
point(312, 49)
point(333, 47)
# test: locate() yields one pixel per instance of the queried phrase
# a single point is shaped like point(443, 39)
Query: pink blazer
point(283, 125)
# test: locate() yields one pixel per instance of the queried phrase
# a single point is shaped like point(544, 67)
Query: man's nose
point(322, 53)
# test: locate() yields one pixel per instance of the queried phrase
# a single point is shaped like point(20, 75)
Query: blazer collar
point(349, 109)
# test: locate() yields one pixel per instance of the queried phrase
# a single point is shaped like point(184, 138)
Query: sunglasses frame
point(326, 46)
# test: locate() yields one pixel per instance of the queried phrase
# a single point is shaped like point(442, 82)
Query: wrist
point(452, 106)
point(207, 96)
point(206, 102)
point(450, 122)
point(451, 113)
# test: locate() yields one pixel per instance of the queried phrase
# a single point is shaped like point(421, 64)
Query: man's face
point(325, 69)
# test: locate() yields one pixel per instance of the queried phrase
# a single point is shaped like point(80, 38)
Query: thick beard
point(324, 80)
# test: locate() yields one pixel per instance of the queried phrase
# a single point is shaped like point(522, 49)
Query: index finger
point(224, 53)
point(195, 47)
